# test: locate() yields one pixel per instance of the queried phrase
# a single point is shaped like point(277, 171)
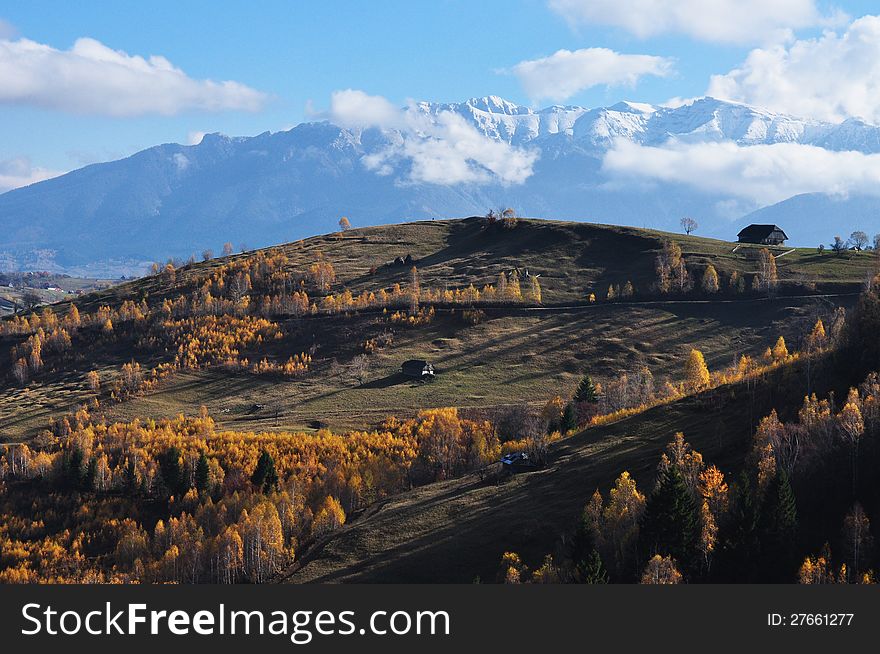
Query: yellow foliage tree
point(780, 350)
point(710, 280)
point(329, 518)
point(661, 570)
point(696, 372)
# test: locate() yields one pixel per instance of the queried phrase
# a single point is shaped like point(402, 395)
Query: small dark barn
point(417, 369)
point(763, 235)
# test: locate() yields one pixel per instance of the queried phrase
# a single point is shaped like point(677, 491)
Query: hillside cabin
point(763, 235)
point(417, 369)
point(518, 462)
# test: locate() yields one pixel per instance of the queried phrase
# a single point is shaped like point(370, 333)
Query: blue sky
point(296, 54)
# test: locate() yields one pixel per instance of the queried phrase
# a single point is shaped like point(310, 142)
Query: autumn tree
point(858, 541)
point(672, 272)
point(228, 249)
point(512, 570)
point(696, 372)
point(661, 570)
point(414, 290)
point(344, 224)
point(509, 218)
point(322, 274)
point(73, 319)
point(263, 542)
point(767, 274)
point(621, 517)
point(818, 569)
point(535, 289)
point(852, 426)
point(780, 350)
point(818, 339)
point(329, 518)
point(207, 255)
point(611, 295)
point(710, 280)
point(94, 381)
point(689, 225)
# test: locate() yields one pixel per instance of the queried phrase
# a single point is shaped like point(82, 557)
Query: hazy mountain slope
point(175, 200)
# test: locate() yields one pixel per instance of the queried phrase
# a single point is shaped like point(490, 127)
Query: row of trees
point(857, 241)
point(674, 275)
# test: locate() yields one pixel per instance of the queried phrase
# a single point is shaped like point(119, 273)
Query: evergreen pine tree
point(172, 473)
point(265, 478)
point(592, 570)
point(129, 479)
point(588, 566)
point(73, 468)
point(91, 474)
point(671, 525)
point(586, 391)
point(777, 528)
point(569, 419)
point(202, 473)
point(737, 557)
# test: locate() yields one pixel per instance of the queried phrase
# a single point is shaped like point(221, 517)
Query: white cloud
point(719, 21)
point(441, 149)
point(764, 174)
point(565, 73)
point(91, 78)
point(831, 77)
point(18, 172)
point(353, 108)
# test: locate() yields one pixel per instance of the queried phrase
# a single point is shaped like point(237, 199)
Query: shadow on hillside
point(393, 379)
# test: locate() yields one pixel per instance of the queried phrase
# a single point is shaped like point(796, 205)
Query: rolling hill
point(208, 341)
point(514, 352)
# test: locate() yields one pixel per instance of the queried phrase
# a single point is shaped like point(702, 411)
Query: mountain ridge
point(176, 200)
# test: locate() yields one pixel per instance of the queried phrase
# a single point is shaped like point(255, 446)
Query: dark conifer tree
point(569, 419)
point(265, 478)
point(202, 473)
point(129, 480)
point(777, 529)
point(73, 468)
point(586, 391)
point(737, 558)
point(172, 472)
point(91, 474)
point(588, 566)
point(671, 524)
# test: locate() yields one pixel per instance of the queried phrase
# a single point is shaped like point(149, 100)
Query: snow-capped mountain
point(174, 200)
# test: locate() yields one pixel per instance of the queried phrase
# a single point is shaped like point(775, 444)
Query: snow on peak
point(494, 104)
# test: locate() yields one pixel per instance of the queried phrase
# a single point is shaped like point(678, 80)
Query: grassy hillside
point(572, 258)
point(515, 354)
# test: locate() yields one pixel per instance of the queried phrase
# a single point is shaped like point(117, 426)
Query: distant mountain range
point(175, 200)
